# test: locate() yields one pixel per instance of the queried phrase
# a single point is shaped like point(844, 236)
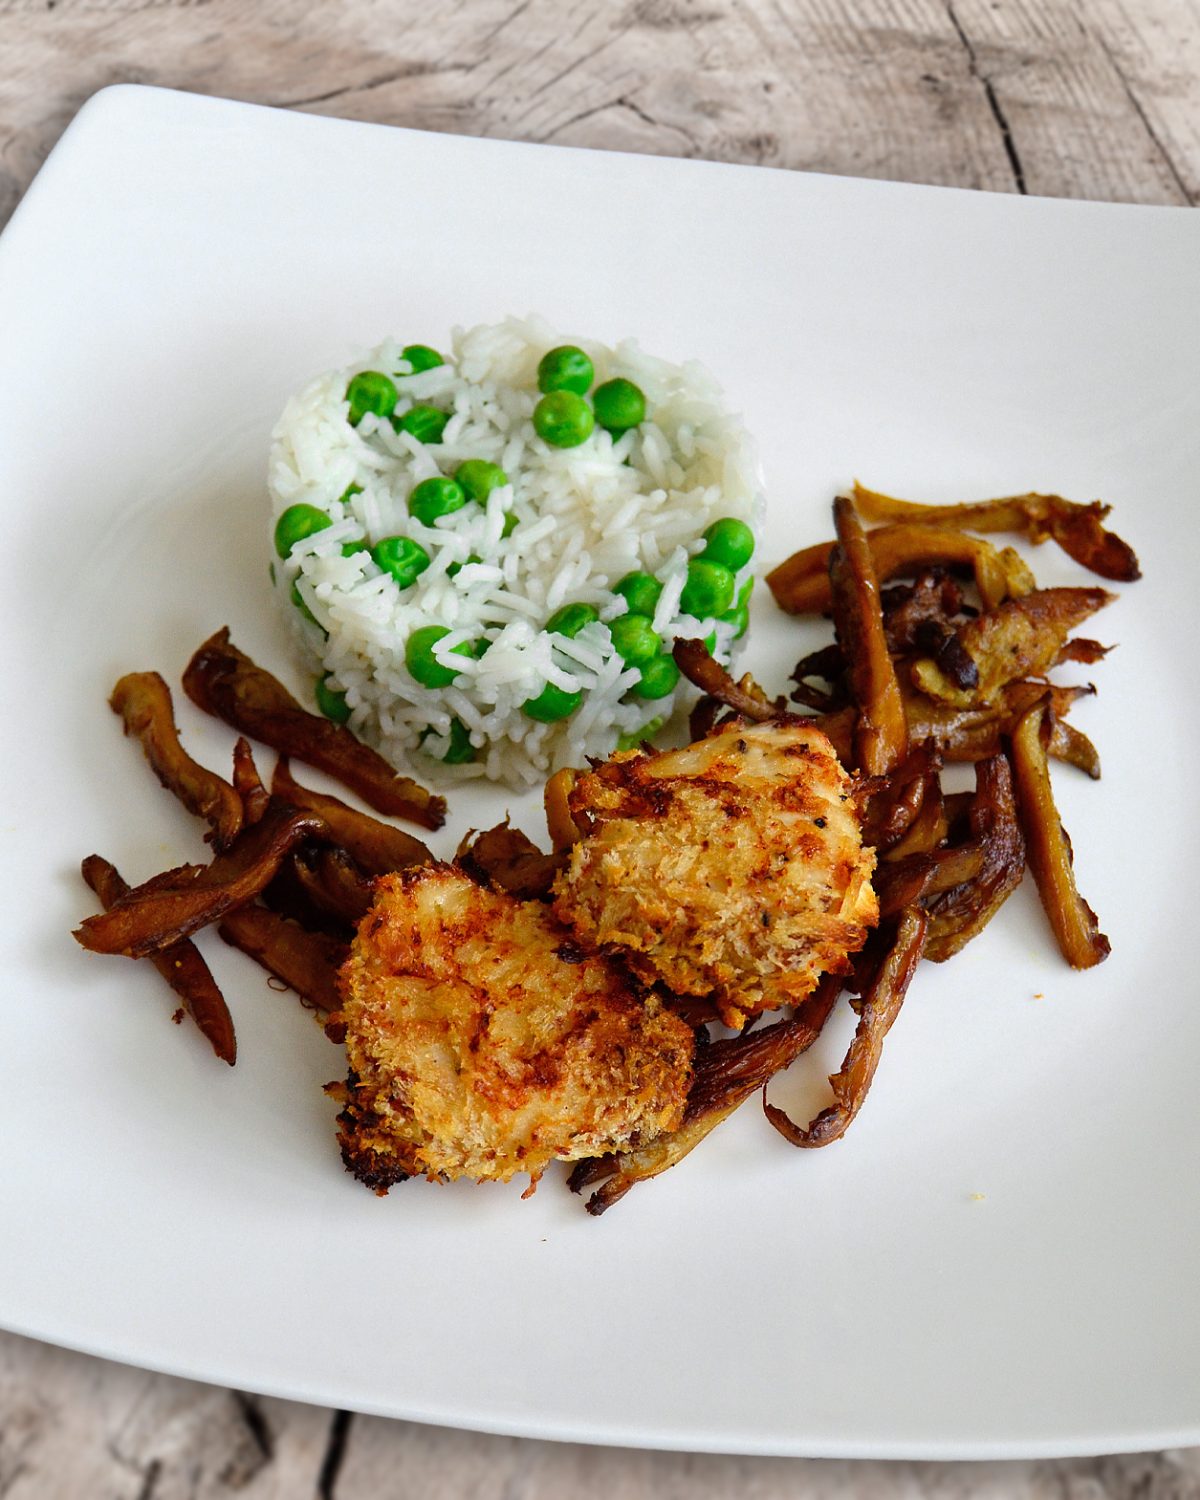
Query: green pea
point(641, 592)
point(551, 704)
point(331, 703)
point(425, 423)
point(296, 523)
point(435, 497)
point(634, 639)
point(348, 493)
point(570, 619)
point(403, 558)
point(729, 542)
point(566, 369)
point(456, 568)
point(479, 478)
point(563, 419)
point(371, 391)
point(511, 522)
point(739, 618)
point(708, 591)
point(619, 405)
point(659, 676)
point(421, 662)
point(460, 749)
point(298, 600)
point(421, 357)
point(350, 549)
point(739, 615)
point(632, 740)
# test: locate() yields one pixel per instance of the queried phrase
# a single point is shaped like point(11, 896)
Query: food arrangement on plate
point(484, 556)
point(521, 561)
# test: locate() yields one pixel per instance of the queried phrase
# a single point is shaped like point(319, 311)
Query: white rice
point(587, 516)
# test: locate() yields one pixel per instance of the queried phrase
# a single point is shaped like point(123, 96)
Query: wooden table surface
point(1091, 99)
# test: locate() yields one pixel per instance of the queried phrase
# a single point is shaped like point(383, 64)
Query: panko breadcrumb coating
point(733, 867)
point(482, 1042)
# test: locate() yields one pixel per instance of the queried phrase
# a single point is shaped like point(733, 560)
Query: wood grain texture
point(1070, 98)
point(1067, 98)
point(74, 1427)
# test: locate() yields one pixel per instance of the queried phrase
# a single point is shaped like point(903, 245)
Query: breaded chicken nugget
point(482, 1042)
point(733, 867)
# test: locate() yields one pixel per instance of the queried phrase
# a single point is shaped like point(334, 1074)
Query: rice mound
point(585, 517)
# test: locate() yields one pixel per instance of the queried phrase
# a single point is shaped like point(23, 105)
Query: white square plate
point(999, 1259)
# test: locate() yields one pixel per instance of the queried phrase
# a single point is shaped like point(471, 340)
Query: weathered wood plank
point(1064, 98)
point(385, 1458)
point(73, 1426)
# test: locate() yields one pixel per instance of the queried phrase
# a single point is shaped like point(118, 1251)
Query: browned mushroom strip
point(892, 804)
point(503, 856)
point(378, 848)
point(963, 911)
point(143, 700)
point(224, 681)
point(1076, 528)
point(801, 583)
point(745, 698)
point(333, 882)
point(927, 831)
point(1081, 649)
point(181, 965)
point(1072, 745)
point(1076, 930)
point(307, 962)
point(177, 903)
point(1019, 639)
point(879, 1009)
point(247, 782)
point(560, 821)
point(968, 734)
point(880, 732)
point(919, 876)
point(726, 1074)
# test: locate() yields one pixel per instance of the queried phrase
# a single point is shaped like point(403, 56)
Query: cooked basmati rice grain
point(566, 528)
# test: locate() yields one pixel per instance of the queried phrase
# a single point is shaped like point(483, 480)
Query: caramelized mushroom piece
point(1076, 929)
point(181, 965)
point(879, 1008)
point(880, 731)
point(225, 682)
point(143, 700)
point(306, 962)
point(725, 1074)
point(377, 848)
point(173, 905)
point(1076, 528)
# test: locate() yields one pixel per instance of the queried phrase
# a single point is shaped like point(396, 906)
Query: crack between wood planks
point(150, 1480)
point(8, 1481)
point(586, 58)
point(397, 75)
point(624, 102)
point(513, 15)
point(335, 1452)
point(1010, 147)
point(256, 1425)
point(1136, 104)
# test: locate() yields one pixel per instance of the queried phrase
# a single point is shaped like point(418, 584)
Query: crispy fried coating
point(733, 867)
point(482, 1042)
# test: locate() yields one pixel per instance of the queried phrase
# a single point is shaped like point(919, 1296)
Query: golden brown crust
point(482, 1042)
point(734, 866)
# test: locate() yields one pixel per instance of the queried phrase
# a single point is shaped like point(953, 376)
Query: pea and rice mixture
point(485, 555)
